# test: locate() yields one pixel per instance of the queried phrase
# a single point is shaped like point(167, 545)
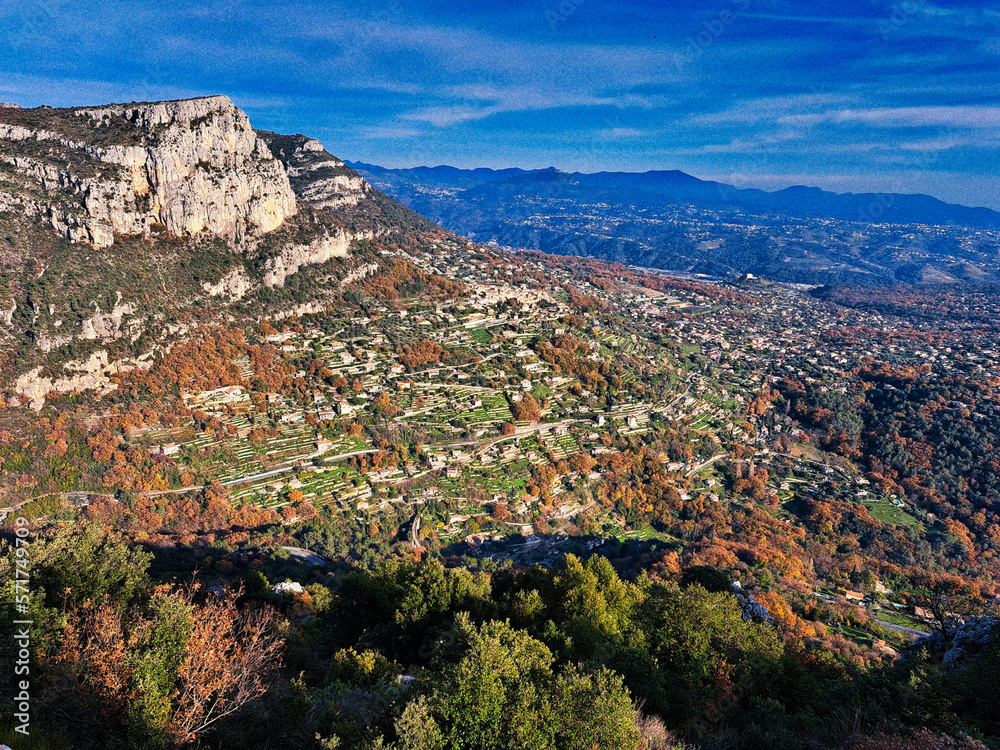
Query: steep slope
point(329, 184)
point(316, 176)
point(124, 227)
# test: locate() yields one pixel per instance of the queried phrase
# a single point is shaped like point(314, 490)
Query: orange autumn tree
point(526, 410)
point(227, 660)
point(163, 673)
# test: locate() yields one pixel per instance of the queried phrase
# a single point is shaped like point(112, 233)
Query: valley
point(382, 449)
point(674, 221)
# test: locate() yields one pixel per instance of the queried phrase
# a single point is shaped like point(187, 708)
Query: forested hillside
point(417, 655)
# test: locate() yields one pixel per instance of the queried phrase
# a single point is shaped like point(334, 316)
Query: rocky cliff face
point(293, 257)
point(93, 373)
point(316, 176)
point(155, 204)
point(187, 166)
point(329, 185)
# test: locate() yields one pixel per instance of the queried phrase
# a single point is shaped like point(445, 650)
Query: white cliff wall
point(191, 166)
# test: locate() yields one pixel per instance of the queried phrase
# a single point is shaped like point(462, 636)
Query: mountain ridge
point(673, 221)
point(125, 227)
point(188, 165)
point(875, 206)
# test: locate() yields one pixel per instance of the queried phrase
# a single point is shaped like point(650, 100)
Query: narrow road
point(415, 532)
point(687, 390)
point(574, 511)
point(352, 454)
point(443, 368)
point(520, 432)
point(264, 474)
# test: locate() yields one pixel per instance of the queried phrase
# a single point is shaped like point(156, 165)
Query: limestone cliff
point(187, 166)
point(316, 176)
point(94, 372)
point(328, 184)
point(293, 257)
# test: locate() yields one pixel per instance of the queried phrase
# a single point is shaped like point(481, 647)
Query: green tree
point(581, 596)
point(433, 594)
point(593, 711)
point(502, 692)
point(701, 641)
point(592, 605)
point(417, 729)
point(154, 668)
point(85, 563)
point(492, 697)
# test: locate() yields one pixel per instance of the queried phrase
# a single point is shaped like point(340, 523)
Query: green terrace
point(560, 446)
point(623, 344)
point(319, 485)
point(888, 511)
point(481, 336)
point(707, 421)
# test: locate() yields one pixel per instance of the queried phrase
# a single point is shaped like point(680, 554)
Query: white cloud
point(490, 100)
point(960, 116)
point(846, 21)
point(622, 133)
point(990, 46)
point(770, 108)
point(445, 116)
point(390, 132)
point(780, 141)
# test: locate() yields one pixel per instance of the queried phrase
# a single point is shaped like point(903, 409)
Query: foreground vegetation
point(412, 654)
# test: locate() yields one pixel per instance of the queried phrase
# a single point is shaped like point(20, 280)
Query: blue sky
point(853, 95)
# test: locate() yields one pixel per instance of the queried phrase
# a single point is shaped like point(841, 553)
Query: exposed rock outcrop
point(234, 285)
point(293, 257)
point(316, 176)
point(109, 325)
point(359, 273)
point(288, 588)
point(961, 638)
point(94, 372)
point(190, 166)
point(7, 313)
point(753, 611)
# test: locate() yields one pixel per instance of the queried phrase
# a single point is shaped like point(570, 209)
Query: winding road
point(264, 474)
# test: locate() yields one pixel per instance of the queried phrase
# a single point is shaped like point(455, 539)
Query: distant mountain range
point(672, 220)
point(674, 186)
